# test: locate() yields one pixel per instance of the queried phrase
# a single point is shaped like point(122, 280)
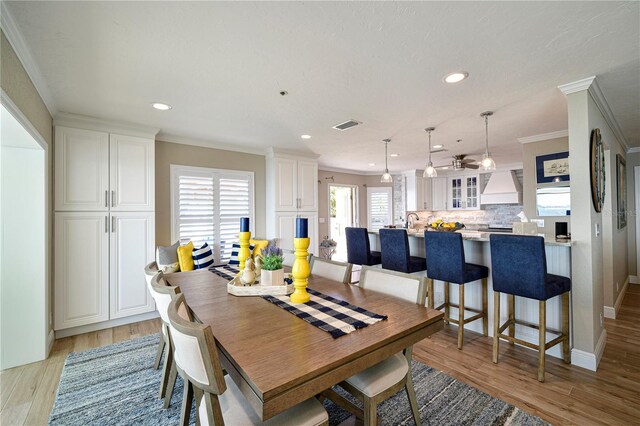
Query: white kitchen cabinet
point(132, 173)
point(131, 245)
point(296, 184)
point(417, 191)
point(464, 192)
point(81, 170)
point(438, 193)
point(81, 268)
point(286, 229)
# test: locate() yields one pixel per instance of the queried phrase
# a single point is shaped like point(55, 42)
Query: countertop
point(484, 236)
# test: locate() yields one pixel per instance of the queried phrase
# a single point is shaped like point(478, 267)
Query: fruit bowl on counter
point(442, 226)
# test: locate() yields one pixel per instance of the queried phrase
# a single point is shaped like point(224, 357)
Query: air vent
point(346, 125)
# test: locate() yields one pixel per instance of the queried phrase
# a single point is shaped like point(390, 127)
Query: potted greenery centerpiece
point(272, 272)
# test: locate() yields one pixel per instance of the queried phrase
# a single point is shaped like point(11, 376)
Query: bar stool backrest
point(195, 349)
point(445, 256)
point(358, 246)
point(519, 265)
point(394, 248)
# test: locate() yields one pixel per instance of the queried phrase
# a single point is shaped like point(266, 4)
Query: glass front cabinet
point(464, 193)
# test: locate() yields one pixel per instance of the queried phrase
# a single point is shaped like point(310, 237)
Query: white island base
point(477, 251)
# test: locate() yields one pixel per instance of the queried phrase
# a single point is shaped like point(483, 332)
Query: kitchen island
point(477, 250)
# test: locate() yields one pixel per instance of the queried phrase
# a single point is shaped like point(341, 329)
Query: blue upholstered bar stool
point(446, 262)
point(519, 267)
point(359, 249)
point(394, 244)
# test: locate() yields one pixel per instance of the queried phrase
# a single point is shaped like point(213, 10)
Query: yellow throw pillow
point(258, 246)
point(185, 257)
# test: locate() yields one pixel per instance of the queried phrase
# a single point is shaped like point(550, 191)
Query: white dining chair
point(150, 271)
point(330, 269)
point(218, 399)
point(288, 257)
point(163, 294)
point(385, 379)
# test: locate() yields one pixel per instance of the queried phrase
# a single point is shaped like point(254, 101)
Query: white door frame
point(356, 202)
point(637, 197)
point(40, 140)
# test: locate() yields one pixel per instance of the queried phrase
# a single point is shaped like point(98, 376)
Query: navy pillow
point(235, 249)
point(202, 257)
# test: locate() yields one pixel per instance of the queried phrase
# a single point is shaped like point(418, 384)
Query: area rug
point(115, 385)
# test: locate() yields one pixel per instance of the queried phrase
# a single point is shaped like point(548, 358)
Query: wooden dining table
point(279, 360)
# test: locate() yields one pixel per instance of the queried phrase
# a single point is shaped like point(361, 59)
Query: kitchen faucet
point(411, 215)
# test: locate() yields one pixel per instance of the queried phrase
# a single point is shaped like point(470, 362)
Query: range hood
point(502, 188)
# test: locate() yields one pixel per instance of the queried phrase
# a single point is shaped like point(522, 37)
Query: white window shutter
point(379, 207)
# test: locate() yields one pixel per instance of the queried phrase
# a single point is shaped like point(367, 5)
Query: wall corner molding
point(544, 136)
point(591, 85)
point(15, 38)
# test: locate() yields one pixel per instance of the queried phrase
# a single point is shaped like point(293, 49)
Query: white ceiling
point(221, 66)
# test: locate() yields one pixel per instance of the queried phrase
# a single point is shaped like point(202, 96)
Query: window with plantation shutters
point(379, 208)
point(207, 205)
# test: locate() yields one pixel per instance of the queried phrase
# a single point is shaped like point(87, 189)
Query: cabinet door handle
point(113, 198)
point(106, 198)
point(113, 224)
point(106, 224)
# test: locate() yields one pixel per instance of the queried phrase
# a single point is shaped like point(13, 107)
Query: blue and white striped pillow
point(202, 257)
point(235, 249)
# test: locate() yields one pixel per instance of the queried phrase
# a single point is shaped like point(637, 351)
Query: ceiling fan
point(460, 162)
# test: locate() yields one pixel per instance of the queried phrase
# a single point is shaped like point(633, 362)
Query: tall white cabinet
point(104, 227)
point(292, 192)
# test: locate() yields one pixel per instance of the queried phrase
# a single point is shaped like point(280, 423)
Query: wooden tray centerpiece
point(237, 288)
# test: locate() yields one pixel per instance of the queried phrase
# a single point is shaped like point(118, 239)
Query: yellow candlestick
point(244, 252)
point(300, 271)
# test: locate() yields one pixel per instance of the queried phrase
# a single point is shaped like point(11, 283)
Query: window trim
point(177, 169)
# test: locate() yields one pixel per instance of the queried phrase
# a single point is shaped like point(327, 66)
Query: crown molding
point(544, 136)
point(345, 171)
point(274, 151)
point(22, 119)
point(91, 123)
point(591, 85)
point(171, 138)
point(634, 150)
point(15, 38)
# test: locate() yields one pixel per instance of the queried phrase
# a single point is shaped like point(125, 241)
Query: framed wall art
point(598, 175)
point(552, 167)
point(621, 171)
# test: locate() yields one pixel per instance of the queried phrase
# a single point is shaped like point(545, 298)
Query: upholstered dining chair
point(359, 248)
point(331, 269)
point(150, 271)
point(519, 268)
point(163, 294)
point(385, 379)
point(218, 399)
point(288, 257)
point(394, 245)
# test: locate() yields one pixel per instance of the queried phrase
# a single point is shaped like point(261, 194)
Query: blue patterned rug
point(115, 385)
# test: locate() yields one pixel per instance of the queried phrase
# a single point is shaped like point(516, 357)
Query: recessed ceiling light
point(372, 164)
point(456, 77)
point(438, 146)
point(306, 136)
point(394, 155)
point(161, 106)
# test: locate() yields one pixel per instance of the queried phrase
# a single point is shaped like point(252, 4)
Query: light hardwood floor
point(570, 395)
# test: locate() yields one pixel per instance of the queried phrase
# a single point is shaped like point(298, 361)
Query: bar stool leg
point(543, 338)
point(512, 317)
point(461, 317)
point(485, 318)
point(430, 294)
point(446, 302)
point(496, 325)
point(566, 354)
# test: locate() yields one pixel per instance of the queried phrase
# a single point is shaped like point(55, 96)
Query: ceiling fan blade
point(468, 160)
point(471, 166)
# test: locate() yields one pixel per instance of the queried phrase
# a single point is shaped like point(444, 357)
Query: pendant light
point(487, 162)
point(386, 176)
point(429, 171)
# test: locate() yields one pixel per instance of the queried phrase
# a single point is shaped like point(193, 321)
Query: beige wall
point(15, 82)
point(633, 160)
point(189, 155)
point(323, 196)
point(529, 184)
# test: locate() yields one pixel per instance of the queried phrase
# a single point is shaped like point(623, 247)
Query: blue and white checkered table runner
point(228, 272)
point(332, 315)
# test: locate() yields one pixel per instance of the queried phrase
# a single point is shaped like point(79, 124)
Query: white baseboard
point(590, 360)
point(612, 311)
point(105, 324)
point(51, 337)
point(633, 279)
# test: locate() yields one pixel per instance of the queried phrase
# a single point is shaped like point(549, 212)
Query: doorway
point(24, 272)
point(343, 212)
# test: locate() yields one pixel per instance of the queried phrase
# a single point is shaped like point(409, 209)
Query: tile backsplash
point(493, 214)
